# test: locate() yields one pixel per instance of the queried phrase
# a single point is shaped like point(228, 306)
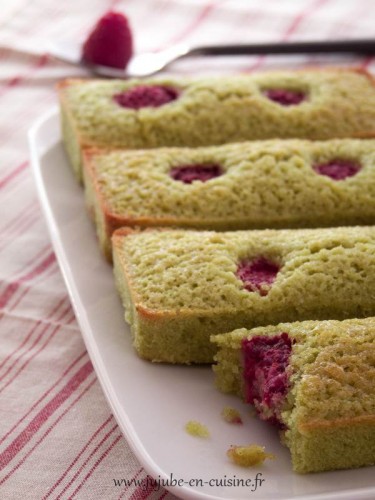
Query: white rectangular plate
point(151, 402)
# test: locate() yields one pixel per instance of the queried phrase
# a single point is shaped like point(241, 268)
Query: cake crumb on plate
point(195, 428)
point(231, 415)
point(248, 456)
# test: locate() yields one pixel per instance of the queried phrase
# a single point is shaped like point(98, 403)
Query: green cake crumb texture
point(263, 183)
point(248, 456)
point(196, 271)
point(333, 373)
point(197, 429)
point(338, 104)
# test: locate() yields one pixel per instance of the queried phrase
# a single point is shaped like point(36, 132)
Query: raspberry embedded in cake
point(338, 170)
point(146, 96)
point(266, 359)
point(258, 274)
point(110, 43)
point(285, 97)
point(196, 172)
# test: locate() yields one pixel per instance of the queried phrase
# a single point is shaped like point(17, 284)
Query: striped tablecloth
point(58, 438)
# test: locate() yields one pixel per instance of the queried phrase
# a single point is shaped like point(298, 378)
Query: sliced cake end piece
point(314, 380)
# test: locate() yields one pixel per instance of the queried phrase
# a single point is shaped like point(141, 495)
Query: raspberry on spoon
point(110, 43)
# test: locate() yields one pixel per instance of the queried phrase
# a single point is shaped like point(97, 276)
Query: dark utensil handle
point(323, 47)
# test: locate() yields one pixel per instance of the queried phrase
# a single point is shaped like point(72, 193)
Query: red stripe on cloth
point(78, 456)
point(16, 80)
point(14, 222)
point(78, 472)
point(13, 287)
point(163, 495)
point(302, 16)
point(97, 463)
point(141, 493)
point(343, 28)
point(39, 268)
point(203, 14)
point(44, 414)
point(28, 336)
point(31, 262)
point(43, 396)
point(299, 18)
point(130, 482)
point(50, 428)
point(5, 180)
point(13, 129)
point(49, 272)
point(25, 364)
point(26, 223)
point(292, 28)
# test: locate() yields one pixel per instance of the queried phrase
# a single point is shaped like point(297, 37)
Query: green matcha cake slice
point(179, 287)
point(314, 380)
point(152, 113)
point(250, 185)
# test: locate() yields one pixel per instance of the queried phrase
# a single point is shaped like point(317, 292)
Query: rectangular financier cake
point(314, 380)
point(179, 287)
point(153, 113)
point(250, 185)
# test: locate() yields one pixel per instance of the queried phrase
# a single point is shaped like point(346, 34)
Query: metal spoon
point(146, 64)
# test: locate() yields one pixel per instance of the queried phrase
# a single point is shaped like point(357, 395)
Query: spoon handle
point(323, 47)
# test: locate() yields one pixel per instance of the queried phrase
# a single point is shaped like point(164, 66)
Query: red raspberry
point(338, 170)
point(146, 96)
point(197, 172)
point(285, 97)
point(266, 359)
point(257, 273)
point(110, 43)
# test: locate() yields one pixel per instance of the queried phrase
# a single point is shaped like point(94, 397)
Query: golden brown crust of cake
point(339, 422)
point(116, 240)
point(61, 86)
